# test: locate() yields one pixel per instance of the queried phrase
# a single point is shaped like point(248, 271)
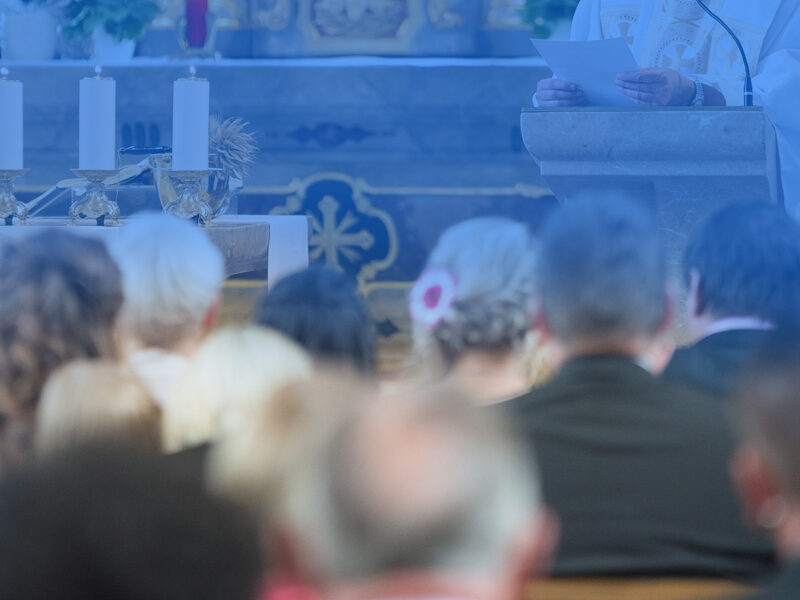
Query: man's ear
point(753, 482)
point(210, 318)
point(540, 322)
point(670, 304)
point(694, 300)
point(535, 552)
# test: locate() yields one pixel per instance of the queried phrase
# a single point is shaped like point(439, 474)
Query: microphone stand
point(748, 80)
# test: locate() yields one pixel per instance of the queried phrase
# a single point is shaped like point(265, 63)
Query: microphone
point(748, 80)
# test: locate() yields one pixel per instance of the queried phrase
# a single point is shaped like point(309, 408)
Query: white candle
point(98, 123)
point(10, 122)
point(190, 124)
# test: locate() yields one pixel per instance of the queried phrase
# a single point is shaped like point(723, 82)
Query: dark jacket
point(786, 586)
point(715, 363)
point(637, 470)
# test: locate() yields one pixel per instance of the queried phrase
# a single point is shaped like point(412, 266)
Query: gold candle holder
point(10, 207)
point(95, 204)
point(189, 203)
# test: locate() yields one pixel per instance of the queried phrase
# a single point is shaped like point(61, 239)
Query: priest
point(688, 59)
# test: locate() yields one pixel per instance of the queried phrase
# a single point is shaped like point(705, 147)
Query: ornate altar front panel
point(366, 25)
point(228, 14)
point(296, 28)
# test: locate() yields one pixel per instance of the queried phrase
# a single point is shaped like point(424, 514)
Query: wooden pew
point(634, 589)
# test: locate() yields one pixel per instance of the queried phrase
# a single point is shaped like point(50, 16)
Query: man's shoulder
point(617, 374)
point(714, 363)
point(616, 383)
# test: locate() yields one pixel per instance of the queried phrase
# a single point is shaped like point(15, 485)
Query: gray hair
point(602, 271)
point(492, 259)
point(426, 482)
point(171, 274)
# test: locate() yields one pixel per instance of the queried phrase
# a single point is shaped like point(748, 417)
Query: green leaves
point(542, 15)
point(123, 19)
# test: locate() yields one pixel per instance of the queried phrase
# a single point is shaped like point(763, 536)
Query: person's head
point(253, 466)
point(476, 293)
point(60, 294)
point(88, 400)
point(235, 371)
point(602, 281)
point(743, 261)
point(111, 522)
point(425, 485)
point(767, 464)
point(321, 310)
point(172, 277)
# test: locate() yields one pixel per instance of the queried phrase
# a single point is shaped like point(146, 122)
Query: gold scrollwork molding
point(504, 14)
point(359, 26)
point(442, 16)
point(335, 234)
point(274, 15)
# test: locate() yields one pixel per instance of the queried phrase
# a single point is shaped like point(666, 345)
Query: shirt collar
point(738, 323)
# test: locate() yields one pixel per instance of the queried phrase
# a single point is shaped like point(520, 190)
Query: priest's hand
point(557, 92)
point(657, 87)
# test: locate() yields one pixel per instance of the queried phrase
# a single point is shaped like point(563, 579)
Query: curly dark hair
point(59, 297)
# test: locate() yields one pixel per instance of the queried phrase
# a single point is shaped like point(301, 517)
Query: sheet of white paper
point(591, 65)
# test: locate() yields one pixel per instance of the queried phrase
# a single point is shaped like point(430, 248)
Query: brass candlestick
point(95, 204)
point(189, 204)
point(10, 207)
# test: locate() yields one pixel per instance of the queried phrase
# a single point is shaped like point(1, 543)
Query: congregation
point(548, 427)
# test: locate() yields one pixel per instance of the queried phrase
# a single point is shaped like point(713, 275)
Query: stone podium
point(688, 161)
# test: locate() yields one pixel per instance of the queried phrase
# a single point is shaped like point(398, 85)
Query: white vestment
point(678, 34)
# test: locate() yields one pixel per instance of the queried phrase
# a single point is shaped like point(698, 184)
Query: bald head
point(423, 482)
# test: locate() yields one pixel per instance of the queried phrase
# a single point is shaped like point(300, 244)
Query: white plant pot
point(30, 35)
point(108, 50)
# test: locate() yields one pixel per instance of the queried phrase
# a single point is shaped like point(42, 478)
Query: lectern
point(688, 161)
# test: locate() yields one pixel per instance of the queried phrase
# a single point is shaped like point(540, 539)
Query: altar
point(273, 247)
point(380, 154)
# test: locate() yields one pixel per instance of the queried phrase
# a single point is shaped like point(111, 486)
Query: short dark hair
point(768, 407)
point(321, 310)
point(602, 272)
point(748, 258)
point(105, 521)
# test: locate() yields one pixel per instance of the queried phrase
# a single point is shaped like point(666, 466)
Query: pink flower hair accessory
point(432, 296)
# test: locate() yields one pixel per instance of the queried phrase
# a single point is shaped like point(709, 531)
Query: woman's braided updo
point(491, 262)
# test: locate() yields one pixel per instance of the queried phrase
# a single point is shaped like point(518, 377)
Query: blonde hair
point(253, 467)
point(234, 371)
point(86, 400)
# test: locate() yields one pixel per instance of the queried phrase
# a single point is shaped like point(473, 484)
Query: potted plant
point(113, 25)
point(30, 30)
point(549, 18)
